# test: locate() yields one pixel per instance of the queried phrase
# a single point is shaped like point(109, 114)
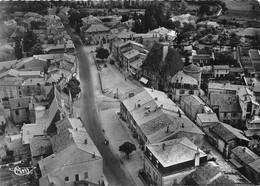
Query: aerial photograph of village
point(130, 93)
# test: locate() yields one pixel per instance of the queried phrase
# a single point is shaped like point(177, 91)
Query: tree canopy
point(102, 53)
point(18, 49)
point(29, 40)
point(127, 148)
point(72, 87)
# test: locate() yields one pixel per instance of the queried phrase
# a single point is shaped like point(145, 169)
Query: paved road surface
point(113, 169)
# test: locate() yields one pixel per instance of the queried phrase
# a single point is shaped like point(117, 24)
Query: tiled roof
point(244, 154)
point(208, 174)
point(226, 102)
point(17, 103)
point(40, 145)
point(192, 68)
point(160, 30)
point(227, 132)
point(255, 165)
point(192, 100)
point(175, 151)
point(96, 28)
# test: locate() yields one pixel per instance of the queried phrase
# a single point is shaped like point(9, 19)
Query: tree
point(183, 5)
point(234, 40)
point(29, 40)
point(102, 53)
point(204, 9)
point(127, 148)
point(36, 50)
point(72, 87)
point(187, 27)
point(18, 49)
point(125, 17)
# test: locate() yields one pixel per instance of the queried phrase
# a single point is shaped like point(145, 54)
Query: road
point(113, 169)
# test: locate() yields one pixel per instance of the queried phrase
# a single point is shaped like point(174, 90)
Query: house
point(30, 130)
point(160, 65)
point(227, 108)
point(15, 74)
point(19, 109)
point(169, 162)
point(95, 33)
point(247, 101)
point(110, 20)
point(34, 86)
point(2, 118)
point(202, 59)
point(220, 71)
point(10, 89)
point(223, 88)
point(254, 85)
point(208, 24)
point(129, 57)
point(186, 82)
point(75, 157)
point(14, 142)
point(192, 105)
point(147, 39)
point(253, 124)
point(184, 18)
point(226, 138)
point(205, 120)
point(64, 102)
point(126, 47)
point(247, 162)
point(153, 118)
point(135, 68)
point(255, 60)
point(40, 147)
point(89, 20)
point(62, 48)
point(161, 31)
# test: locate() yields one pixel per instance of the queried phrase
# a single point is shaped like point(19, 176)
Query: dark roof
point(40, 145)
point(208, 174)
point(244, 154)
point(222, 132)
point(172, 64)
point(192, 68)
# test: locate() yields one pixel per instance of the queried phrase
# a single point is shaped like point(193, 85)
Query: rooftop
point(16, 103)
point(221, 67)
point(40, 145)
point(255, 165)
point(183, 78)
point(96, 28)
point(175, 151)
point(192, 101)
point(131, 54)
point(31, 130)
point(192, 68)
point(208, 117)
point(244, 154)
point(226, 102)
point(227, 132)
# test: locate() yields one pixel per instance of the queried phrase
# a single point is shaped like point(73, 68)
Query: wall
point(176, 96)
point(15, 144)
point(20, 115)
point(9, 91)
point(94, 169)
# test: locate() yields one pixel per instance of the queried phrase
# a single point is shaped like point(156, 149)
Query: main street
point(113, 169)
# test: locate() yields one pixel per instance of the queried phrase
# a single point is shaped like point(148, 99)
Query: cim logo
point(22, 171)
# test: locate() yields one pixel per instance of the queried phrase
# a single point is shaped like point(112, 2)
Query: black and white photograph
point(129, 92)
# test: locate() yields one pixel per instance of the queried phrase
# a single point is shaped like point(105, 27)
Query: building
point(202, 59)
point(227, 108)
point(192, 105)
point(75, 157)
point(167, 163)
point(247, 162)
point(255, 60)
point(147, 39)
point(95, 34)
point(19, 109)
point(183, 85)
point(223, 88)
point(247, 101)
point(220, 71)
point(226, 138)
point(208, 174)
point(10, 89)
point(160, 65)
point(205, 120)
point(153, 118)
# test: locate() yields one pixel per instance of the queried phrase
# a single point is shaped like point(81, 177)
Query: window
point(67, 178)
point(157, 163)
point(182, 91)
point(191, 92)
point(17, 112)
point(76, 177)
point(86, 175)
point(150, 156)
point(11, 94)
point(234, 114)
point(225, 114)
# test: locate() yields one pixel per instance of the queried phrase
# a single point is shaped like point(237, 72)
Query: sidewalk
point(117, 135)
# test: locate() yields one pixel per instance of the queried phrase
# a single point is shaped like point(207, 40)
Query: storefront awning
point(143, 80)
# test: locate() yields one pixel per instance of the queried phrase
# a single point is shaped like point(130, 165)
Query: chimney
point(197, 158)
point(161, 105)
point(94, 155)
point(244, 149)
point(182, 126)
point(156, 99)
point(85, 141)
point(167, 131)
point(163, 146)
point(70, 135)
point(62, 103)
